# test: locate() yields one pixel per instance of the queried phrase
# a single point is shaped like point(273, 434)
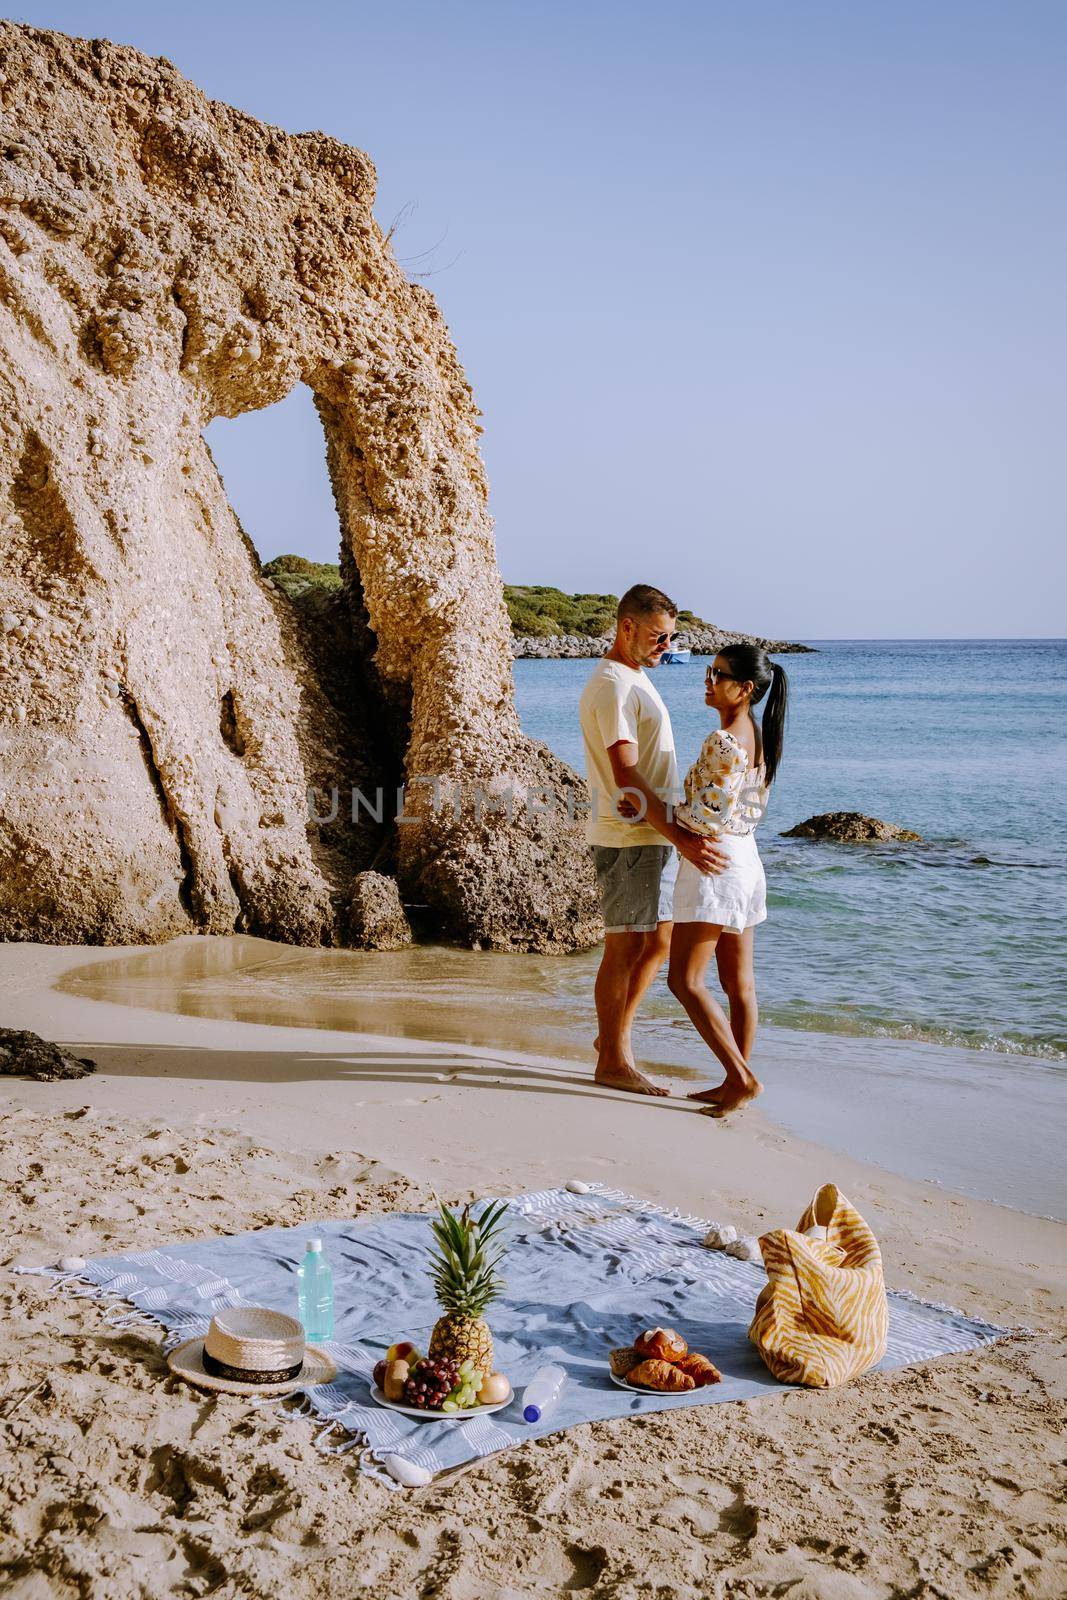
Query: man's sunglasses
point(666, 638)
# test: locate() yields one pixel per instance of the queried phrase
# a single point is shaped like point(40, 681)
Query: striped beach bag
point(823, 1317)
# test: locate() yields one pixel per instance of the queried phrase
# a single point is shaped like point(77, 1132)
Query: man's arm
point(705, 854)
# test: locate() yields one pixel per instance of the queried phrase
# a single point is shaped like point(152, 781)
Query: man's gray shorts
point(636, 885)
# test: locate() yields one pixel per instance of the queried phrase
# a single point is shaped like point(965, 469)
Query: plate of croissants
point(661, 1361)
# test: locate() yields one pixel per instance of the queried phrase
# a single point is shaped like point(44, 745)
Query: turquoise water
point(959, 940)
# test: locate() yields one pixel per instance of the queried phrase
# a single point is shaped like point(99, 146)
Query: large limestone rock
point(165, 259)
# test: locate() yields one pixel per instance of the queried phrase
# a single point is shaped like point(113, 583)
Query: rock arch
point(165, 259)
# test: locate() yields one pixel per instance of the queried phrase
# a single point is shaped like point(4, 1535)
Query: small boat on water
point(675, 658)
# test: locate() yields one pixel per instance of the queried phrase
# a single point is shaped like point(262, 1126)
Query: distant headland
point(546, 623)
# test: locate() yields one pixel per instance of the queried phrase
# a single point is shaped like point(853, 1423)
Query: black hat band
point(219, 1369)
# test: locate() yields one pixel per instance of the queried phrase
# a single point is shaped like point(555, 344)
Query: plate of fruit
point(660, 1361)
point(425, 1386)
point(455, 1378)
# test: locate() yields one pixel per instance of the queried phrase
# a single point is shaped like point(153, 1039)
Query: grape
point(431, 1385)
point(465, 1391)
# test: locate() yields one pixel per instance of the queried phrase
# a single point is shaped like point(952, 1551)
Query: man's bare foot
point(710, 1096)
point(733, 1097)
point(627, 1078)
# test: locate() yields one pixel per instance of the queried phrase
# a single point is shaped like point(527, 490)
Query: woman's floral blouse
point(721, 795)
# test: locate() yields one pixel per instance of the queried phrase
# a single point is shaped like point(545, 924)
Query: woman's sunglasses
point(713, 675)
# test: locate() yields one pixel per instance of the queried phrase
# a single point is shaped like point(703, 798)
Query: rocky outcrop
point(848, 827)
point(375, 917)
point(25, 1054)
point(164, 710)
point(701, 641)
point(557, 646)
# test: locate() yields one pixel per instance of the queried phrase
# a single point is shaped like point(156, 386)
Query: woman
point(725, 796)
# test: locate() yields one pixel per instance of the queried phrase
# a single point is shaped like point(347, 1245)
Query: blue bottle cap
point(531, 1414)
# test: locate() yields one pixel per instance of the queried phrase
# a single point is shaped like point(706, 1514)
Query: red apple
point(404, 1351)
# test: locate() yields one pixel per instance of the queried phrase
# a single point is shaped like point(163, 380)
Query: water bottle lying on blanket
point(543, 1392)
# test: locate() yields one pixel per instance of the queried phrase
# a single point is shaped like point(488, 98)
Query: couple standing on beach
point(677, 867)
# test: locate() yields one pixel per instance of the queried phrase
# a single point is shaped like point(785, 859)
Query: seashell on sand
point(718, 1238)
point(409, 1473)
point(744, 1250)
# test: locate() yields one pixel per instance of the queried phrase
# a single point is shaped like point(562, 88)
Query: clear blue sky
point(763, 300)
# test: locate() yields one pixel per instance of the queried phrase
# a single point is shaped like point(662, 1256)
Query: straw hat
point(249, 1350)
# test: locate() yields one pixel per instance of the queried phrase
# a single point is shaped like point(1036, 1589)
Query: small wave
point(826, 856)
point(870, 1028)
point(1022, 866)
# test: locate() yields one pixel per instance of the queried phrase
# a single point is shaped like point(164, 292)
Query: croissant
point(622, 1361)
point(664, 1344)
point(700, 1369)
point(660, 1375)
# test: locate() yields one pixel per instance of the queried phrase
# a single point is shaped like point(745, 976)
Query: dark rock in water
point(26, 1054)
point(847, 827)
point(376, 918)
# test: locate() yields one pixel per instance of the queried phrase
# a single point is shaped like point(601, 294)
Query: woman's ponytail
point(772, 723)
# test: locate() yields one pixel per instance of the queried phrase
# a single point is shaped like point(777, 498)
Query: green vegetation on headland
point(294, 575)
point(539, 611)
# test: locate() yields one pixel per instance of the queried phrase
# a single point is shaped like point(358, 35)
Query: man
point(631, 768)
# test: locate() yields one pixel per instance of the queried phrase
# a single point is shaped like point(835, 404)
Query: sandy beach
point(942, 1480)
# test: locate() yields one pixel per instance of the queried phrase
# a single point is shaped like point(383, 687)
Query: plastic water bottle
point(316, 1294)
point(542, 1392)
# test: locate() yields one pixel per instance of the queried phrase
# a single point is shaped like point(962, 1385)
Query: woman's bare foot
point(623, 1076)
point(733, 1097)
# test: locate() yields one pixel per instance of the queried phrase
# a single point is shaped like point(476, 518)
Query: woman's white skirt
point(735, 899)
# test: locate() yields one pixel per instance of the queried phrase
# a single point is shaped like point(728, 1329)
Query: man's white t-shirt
point(619, 702)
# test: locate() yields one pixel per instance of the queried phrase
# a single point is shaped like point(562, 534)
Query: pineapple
point(466, 1281)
